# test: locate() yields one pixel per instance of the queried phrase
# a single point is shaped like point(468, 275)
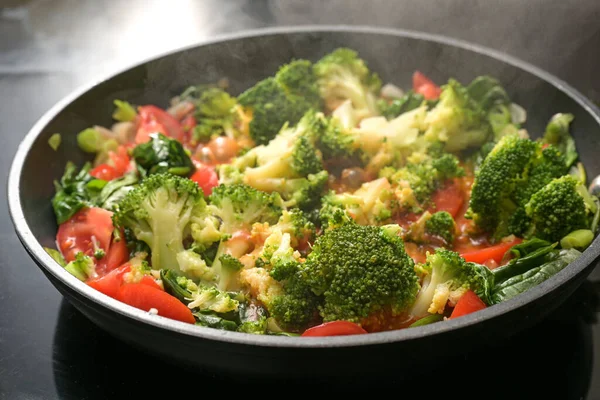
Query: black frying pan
point(245, 59)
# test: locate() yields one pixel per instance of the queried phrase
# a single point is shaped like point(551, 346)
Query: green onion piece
point(579, 239)
point(89, 140)
point(57, 256)
point(54, 141)
point(124, 111)
point(430, 319)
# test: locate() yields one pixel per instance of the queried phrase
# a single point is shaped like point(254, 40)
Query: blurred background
point(50, 47)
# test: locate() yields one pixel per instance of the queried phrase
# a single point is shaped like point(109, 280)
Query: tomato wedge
point(146, 297)
point(335, 328)
point(206, 177)
point(449, 198)
point(88, 230)
point(425, 86)
point(495, 252)
point(467, 304)
point(116, 256)
point(154, 119)
point(110, 283)
point(104, 172)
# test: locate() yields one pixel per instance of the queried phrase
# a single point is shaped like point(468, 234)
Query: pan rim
point(36, 251)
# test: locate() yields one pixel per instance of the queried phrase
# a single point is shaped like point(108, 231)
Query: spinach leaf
point(529, 254)
point(162, 154)
point(212, 320)
point(408, 102)
point(74, 191)
point(553, 263)
point(115, 190)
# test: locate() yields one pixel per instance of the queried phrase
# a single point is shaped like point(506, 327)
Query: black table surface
point(48, 350)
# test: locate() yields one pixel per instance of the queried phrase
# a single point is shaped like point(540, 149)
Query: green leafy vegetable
point(56, 255)
point(162, 154)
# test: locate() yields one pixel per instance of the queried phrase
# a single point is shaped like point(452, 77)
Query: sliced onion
point(392, 91)
point(517, 113)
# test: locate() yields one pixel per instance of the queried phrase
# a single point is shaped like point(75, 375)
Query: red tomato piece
point(206, 177)
point(495, 252)
point(468, 303)
point(86, 231)
point(146, 297)
point(148, 280)
point(335, 328)
point(104, 172)
point(425, 86)
point(450, 198)
point(116, 256)
point(110, 283)
point(153, 119)
point(120, 160)
point(188, 124)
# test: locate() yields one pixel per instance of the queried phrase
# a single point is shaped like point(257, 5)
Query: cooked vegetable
point(322, 201)
point(160, 155)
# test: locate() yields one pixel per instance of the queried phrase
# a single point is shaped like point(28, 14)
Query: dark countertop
point(49, 350)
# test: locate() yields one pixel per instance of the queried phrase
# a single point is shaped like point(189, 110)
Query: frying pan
point(244, 59)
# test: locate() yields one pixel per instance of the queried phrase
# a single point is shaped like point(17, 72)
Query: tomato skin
point(449, 198)
point(75, 235)
point(335, 328)
point(145, 297)
point(495, 252)
point(468, 303)
point(116, 256)
point(206, 177)
point(104, 172)
point(110, 283)
point(425, 86)
point(154, 119)
point(120, 160)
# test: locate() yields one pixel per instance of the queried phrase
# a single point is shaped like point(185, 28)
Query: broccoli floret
point(162, 155)
point(209, 298)
point(372, 204)
point(360, 271)
point(559, 208)
point(290, 165)
point(448, 277)
point(278, 100)
point(296, 223)
point(441, 224)
point(305, 158)
point(258, 327)
point(298, 80)
point(238, 206)
point(423, 178)
point(82, 267)
point(159, 212)
point(514, 170)
point(456, 120)
point(343, 75)
point(215, 112)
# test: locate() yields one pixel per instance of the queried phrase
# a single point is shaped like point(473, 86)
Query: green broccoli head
point(159, 212)
point(562, 206)
point(373, 203)
point(238, 206)
point(296, 223)
point(557, 134)
point(427, 176)
point(296, 308)
point(360, 270)
point(298, 80)
point(214, 112)
point(305, 158)
point(162, 154)
point(510, 174)
point(442, 225)
point(448, 277)
point(406, 103)
point(305, 193)
point(279, 100)
point(343, 75)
